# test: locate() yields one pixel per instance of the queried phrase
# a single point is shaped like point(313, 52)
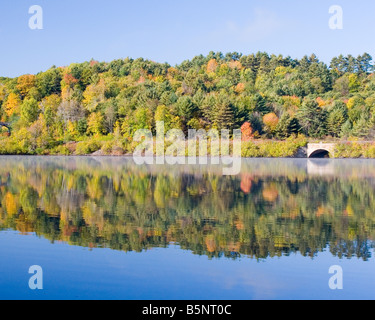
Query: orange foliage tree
point(212, 66)
point(240, 87)
point(271, 120)
point(247, 131)
point(69, 80)
point(320, 102)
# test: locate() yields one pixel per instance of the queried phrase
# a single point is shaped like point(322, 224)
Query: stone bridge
point(321, 150)
point(6, 125)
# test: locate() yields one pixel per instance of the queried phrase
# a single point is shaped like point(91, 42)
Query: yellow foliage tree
point(2, 92)
point(10, 204)
point(291, 104)
point(25, 83)
point(93, 95)
point(95, 124)
point(321, 102)
point(72, 128)
point(12, 104)
point(355, 101)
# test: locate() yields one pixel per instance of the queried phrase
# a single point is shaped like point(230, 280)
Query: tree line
point(268, 96)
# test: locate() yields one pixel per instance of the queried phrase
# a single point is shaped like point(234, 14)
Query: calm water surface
point(105, 228)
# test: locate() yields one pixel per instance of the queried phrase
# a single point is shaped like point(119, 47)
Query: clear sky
point(175, 30)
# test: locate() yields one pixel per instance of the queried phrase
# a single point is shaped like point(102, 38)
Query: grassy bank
point(355, 150)
point(113, 145)
point(117, 146)
point(273, 149)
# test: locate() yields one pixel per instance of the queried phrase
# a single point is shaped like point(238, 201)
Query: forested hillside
point(101, 105)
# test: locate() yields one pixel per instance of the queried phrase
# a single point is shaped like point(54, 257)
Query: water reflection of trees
point(272, 209)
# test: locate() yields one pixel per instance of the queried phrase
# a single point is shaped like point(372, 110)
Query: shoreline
point(127, 156)
point(297, 148)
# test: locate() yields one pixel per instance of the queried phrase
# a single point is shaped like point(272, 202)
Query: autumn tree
point(12, 104)
point(163, 114)
point(270, 121)
point(246, 131)
point(49, 107)
point(212, 66)
point(93, 95)
point(95, 123)
point(29, 110)
point(25, 83)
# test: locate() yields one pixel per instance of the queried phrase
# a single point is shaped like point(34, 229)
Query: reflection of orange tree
point(246, 183)
point(125, 207)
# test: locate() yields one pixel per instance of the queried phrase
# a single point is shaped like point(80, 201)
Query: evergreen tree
point(361, 129)
point(335, 121)
point(223, 114)
point(346, 129)
point(313, 119)
point(256, 123)
point(287, 126)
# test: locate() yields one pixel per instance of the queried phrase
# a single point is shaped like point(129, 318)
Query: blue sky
point(173, 31)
